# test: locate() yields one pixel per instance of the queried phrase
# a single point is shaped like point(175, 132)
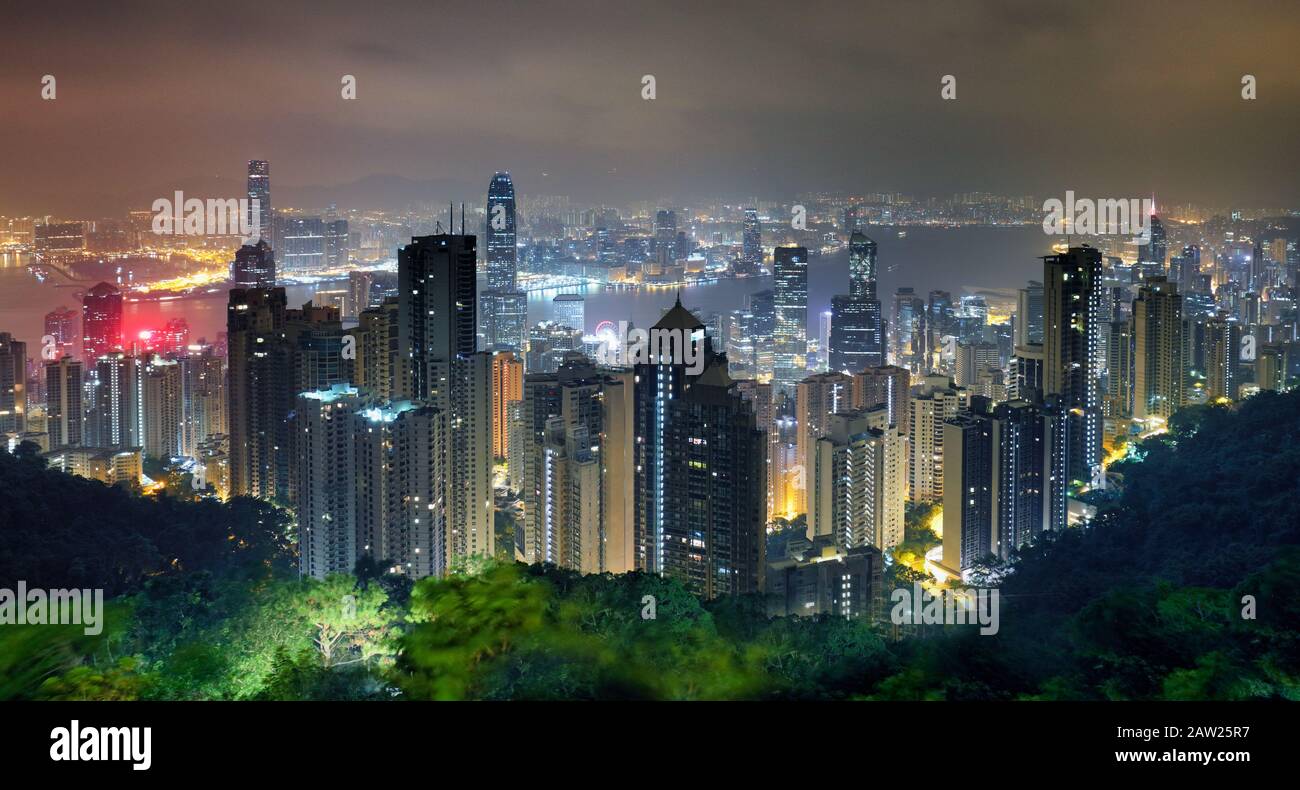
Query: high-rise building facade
point(1029, 315)
point(116, 414)
point(862, 266)
point(13, 385)
point(101, 322)
point(254, 266)
point(64, 415)
point(816, 399)
point(500, 234)
point(63, 325)
point(751, 256)
point(259, 189)
point(856, 339)
point(1159, 366)
point(889, 386)
point(436, 340)
point(935, 401)
point(858, 481)
point(700, 472)
point(790, 330)
point(1072, 285)
point(507, 388)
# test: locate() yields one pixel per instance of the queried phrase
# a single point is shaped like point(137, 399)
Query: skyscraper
point(700, 472)
point(857, 321)
point(862, 266)
point(325, 498)
point(436, 287)
point(751, 256)
point(13, 385)
point(577, 476)
point(790, 333)
point(61, 324)
point(64, 417)
point(101, 323)
point(998, 491)
point(163, 408)
point(935, 401)
point(1073, 354)
point(1158, 365)
point(908, 328)
point(856, 340)
point(116, 414)
point(1222, 349)
point(1029, 315)
point(1117, 339)
point(500, 234)
point(507, 388)
point(817, 398)
point(370, 483)
point(336, 243)
point(570, 310)
point(301, 243)
point(888, 386)
point(858, 481)
point(254, 266)
point(259, 189)
point(436, 347)
point(1153, 254)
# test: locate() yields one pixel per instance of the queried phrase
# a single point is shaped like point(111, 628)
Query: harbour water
point(959, 260)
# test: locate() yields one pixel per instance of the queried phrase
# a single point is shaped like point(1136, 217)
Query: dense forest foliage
point(1184, 587)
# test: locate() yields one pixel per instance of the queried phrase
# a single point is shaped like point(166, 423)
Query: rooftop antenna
point(451, 216)
point(462, 218)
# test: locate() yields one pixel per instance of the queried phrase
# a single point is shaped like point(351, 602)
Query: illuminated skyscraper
point(254, 266)
point(700, 472)
point(61, 324)
point(436, 348)
point(908, 328)
point(1029, 315)
point(163, 408)
point(101, 323)
point(790, 332)
point(302, 244)
point(888, 386)
point(500, 234)
point(1159, 367)
point(1222, 352)
point(858, 481)
point(63, 403)
point(116, 414)
point(336, 243)
point(1153, 254)
point(856, 340)
point(259, 189)
point(570, 310)
point(1073, 353)
point(998, 491)
point(935, 401)
point(817, 398)
point(13, 385)
point(507, 388)
point(751, 256)
point(862, 266)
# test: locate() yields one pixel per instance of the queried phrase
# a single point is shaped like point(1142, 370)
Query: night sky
point(764, 99)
